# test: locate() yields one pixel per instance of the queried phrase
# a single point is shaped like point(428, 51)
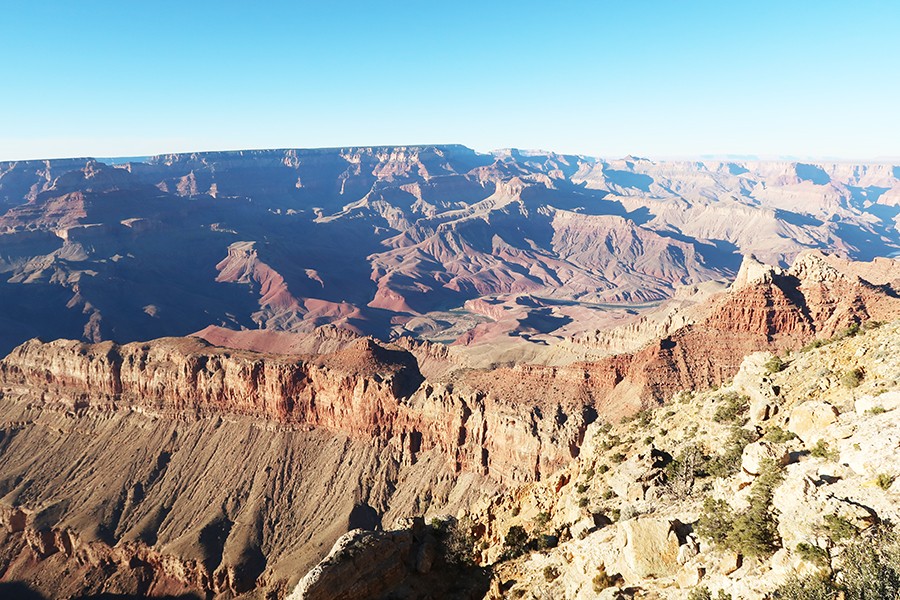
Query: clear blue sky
point(653, 78)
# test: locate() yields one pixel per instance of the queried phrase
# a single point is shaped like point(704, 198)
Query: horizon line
point(708, 157)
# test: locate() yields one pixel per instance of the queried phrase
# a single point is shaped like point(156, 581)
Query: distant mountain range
point(439, 242)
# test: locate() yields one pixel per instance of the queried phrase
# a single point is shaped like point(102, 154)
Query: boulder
point(650, 546)
point(810, 418)
point(758, 452)
point(872, 449)
point(582, 528)
point(687, 551)
point(362, 564)
point(753, 380)
point(689, 577)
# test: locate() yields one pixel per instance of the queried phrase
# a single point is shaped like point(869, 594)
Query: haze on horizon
point(657, 79)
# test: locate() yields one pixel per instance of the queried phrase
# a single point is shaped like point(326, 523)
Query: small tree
point(774, 365)
point(753, 532)
point(515, 543)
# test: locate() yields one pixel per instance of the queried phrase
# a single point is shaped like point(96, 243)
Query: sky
point(660, 79)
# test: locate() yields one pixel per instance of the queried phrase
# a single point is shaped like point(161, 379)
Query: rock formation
point(387, 241)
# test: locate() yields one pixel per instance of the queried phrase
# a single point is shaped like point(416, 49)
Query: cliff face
point(769, 309)
point(183, 464)
point(366, 391)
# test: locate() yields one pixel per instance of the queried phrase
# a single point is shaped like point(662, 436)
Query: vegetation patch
point(732, 408)
point(813, 554)
point(852, 378)
point(869, 569)
point(703, 593)
point(823, 450)
point(753, 532)
point(774, 365)
point(602, 580)
point(839, 529)
point(778, 435)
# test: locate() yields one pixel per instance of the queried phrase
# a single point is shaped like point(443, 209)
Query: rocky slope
point(807, 444)
point(404, 240)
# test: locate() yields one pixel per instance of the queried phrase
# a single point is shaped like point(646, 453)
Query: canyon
point(516, 249)
point(121, 464)
point(220, 366)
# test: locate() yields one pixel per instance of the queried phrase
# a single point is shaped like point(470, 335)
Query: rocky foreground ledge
point(783, 483)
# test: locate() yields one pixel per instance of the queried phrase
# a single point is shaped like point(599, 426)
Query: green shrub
point(732, 408)
point(871, 325)
point(849, 332)
point(542, 518)
point(753, 532)
point(700, 593)
point(814, 344)
point(583, 501)
point(610, 443)
point(779, 436)
point(602, 468)
point(550, 573)
point(839, 529)
point(703, 593)
point(618, 457)
point(581, 488)
point(644, 417)
point(813, 554)
point(884, 481)
point(589, 474)
point(869, 569)
point(683, 470)
point(515, 543)
point(715, 521)
point(852, 378)
point(459, 542)
point(774, 365)
point(546, 541)
point(823, 450)
point(876, 410)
